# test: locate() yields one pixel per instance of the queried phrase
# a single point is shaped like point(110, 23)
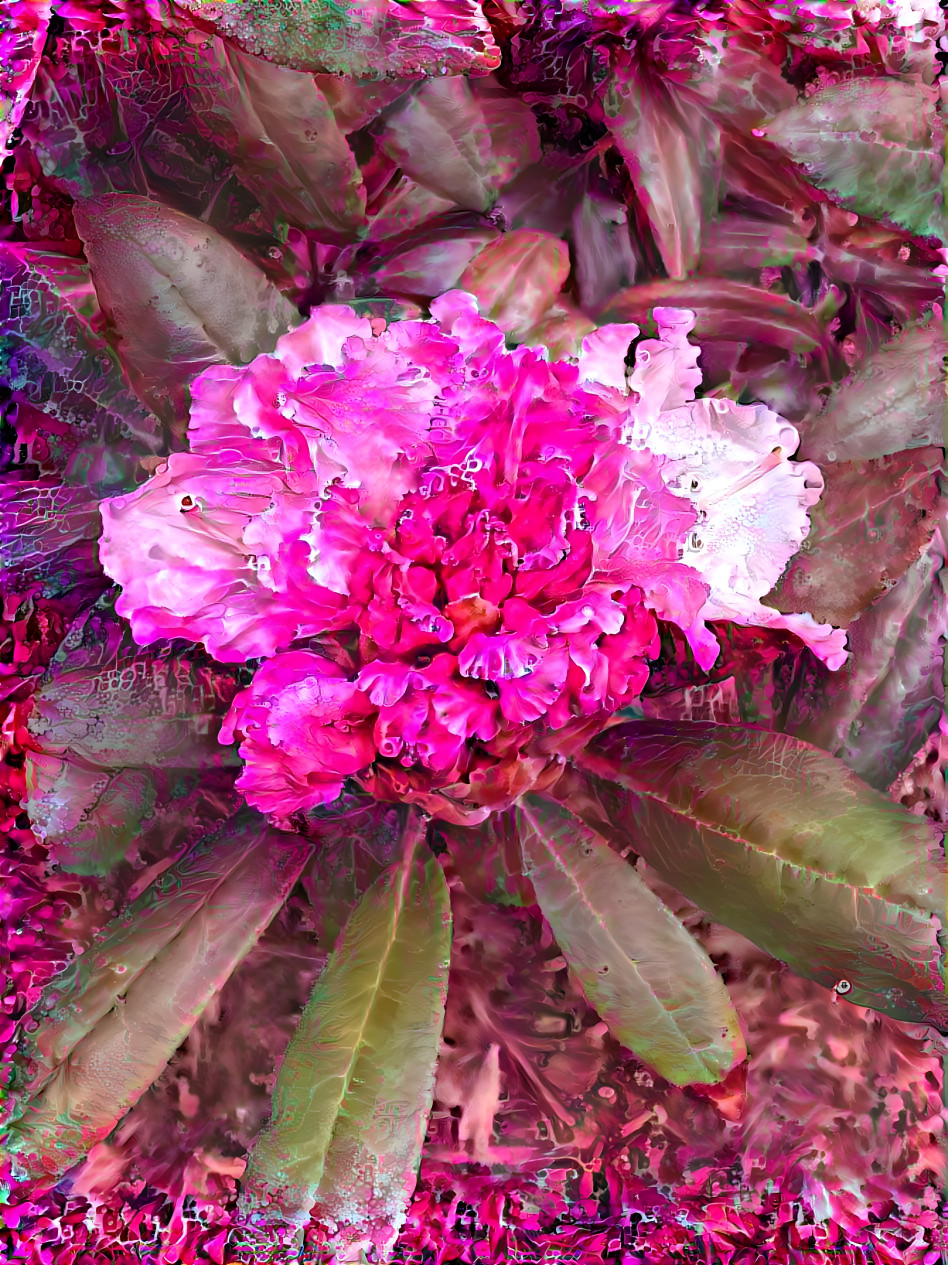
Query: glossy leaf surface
point(353, 1094)
point(878, 710)
point(784, 844)
point(645, 974)
point(873, 143)
point(119, 1057)
point(74, 1001)
point(871, 523)
point(180, 295)
point(896, 401)
point(371, 40)
point(672, 150)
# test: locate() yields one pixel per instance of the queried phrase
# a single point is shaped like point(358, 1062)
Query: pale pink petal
point(179, 547)
point(731, 462)
point(602, 359)
point(321, 339)
point(666, 369)
point(826, 642)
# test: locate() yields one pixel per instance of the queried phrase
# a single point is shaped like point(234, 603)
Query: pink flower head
point(481, 538)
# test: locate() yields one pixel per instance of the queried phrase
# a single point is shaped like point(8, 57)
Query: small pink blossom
point(480, 537)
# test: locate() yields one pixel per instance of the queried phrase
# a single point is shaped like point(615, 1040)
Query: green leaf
point(370, 40)
point(352, 1097)
point(875, 143)
point(871, 523)
point(639, 967)
point(879, 709)
point(673, 152)
point(787, 846)
point(896, 401)
point(75, 1000)
point(180, 295)
point(137, 1030)
point(52, 354)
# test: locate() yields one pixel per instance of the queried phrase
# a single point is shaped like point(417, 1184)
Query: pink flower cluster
point(478, 539)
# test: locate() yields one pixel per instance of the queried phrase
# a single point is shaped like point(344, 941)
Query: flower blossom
point(452, 554)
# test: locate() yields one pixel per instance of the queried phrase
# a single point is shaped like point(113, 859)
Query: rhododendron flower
point(479, 538)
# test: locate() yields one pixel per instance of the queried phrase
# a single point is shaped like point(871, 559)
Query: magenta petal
point(305, 728)
point(488, 533)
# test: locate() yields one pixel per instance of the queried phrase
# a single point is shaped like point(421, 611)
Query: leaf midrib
point(399, 893)
point(683, 1037)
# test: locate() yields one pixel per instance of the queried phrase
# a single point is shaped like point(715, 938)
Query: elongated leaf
point(406, 206)
point(673, 152)
point(169, 119)
point(896, 401)
point(725, 310)
point(356, 102)
point(74, 1001)
point(878, 710)
point(605, 257)
point(517, 277)
point(784, 844)
point(439, 137)
point(316, 183)
point(353, 1095)
point(881, 260)
point(645, 974)
point(430, 267)
point(463, 140)
point(369, 40)
point(871, 523)
point(51, 355)
point(114, 706)
point(875, 144)
point(488, 860)
point(114, 1064)
point(741, 245)
point(180, 295)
